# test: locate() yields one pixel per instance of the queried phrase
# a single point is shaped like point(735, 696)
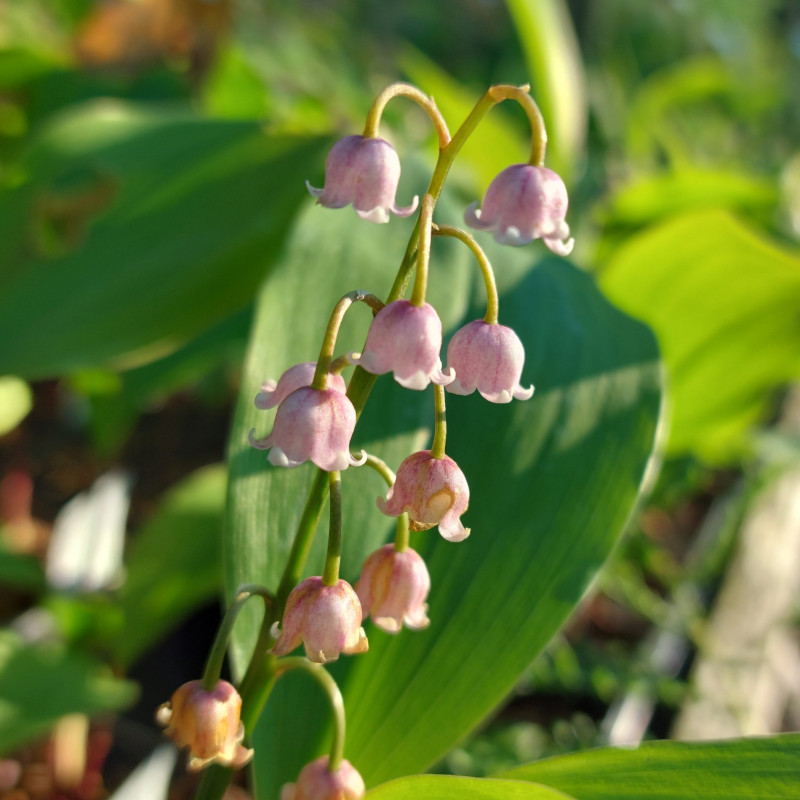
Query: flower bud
point(326, 619)
point(487, 357)
point(393, 587)
point(317, 782)
point(312, 425)
point(295, 377)
point(433, 491)
point(207, 723)
point(364, 171)
point(405, 339)
point(524, 203)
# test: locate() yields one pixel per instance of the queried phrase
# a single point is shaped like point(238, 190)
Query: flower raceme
point(311, 425)
point(364, 171)
point(393, 588)
point(405, 339)
point(317, 782)
point(433, 491)
point(325, 619)
point(208, 723)
point(487, 357)
point(524, 203)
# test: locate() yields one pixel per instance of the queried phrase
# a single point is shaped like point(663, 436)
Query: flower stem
point(330, 577)
point(382, 468)
point(492, 302)
point(420, 98)
point(216, 657)
point(334, 695)
point(320, 380)
point(440, 424)
point(538, 132)
point(401, 533)
point(423, 251)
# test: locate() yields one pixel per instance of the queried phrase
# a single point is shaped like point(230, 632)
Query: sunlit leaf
point(447, 787)
point(16, 400)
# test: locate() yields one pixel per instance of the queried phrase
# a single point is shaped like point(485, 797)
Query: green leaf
point(173, 566)
point(19, 570)
point(147, 227)
point(39, 683)
point(16, 400)
point(554, 63)
point(723, 303)
point(740, 769)
point(553, 481)
point(448, 787)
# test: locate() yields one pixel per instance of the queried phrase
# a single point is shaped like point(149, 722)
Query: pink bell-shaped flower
point(326, 619)
point(487, 357)
point(524, 203)
point(405, 339)
point(433, 491)
point(207, 723)
point(295, 377)
point(364, 171)
point(312, 425)
point(317, 782)
point(393, 587)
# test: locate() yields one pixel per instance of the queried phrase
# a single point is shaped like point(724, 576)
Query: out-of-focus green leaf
point(234, 89)
point(723, 302)
point(740, 769)
point(40, 683)
point(19, 65)
point(138, 230)
point(551, 49)
point(21, 571)
point(16, 401)
point(552, 480)
point(173, 566)
point(448, 787)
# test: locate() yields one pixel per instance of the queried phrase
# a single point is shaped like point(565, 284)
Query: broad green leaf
point(448, 787)
point(41, 682)
point(739, 769)
point(553, 481)
point(22, 571)
point(173, 566)
point(137, 230)
point(723, 302)
point(554, 62)
point(16, 400)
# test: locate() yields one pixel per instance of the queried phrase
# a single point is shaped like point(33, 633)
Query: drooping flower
point(487, 357)
point(364, 171)
point(325, 619)
point(524, 203)
point(405, 339)
point(393, 587)
point(312, 425)
point(208, 723)
point(295, 377)
point(433, 491)
point(317, 782)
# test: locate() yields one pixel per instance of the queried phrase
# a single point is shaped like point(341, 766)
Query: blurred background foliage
point(152, 158)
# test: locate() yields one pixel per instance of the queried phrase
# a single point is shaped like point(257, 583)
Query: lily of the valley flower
point(393, 588)
point(317, 782)
point(524, 203)
point(312, 425)
point(433, 491)
point(364, 171)
point(487, 357)
point(207, 723)
point(405, 339)
point(295, 377)
point(325, 619)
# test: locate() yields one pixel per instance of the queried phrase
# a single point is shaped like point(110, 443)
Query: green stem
point(382, 468)
point(334, 695)
point(401, 533)
point(538, 132)
point(440, 425)
point(492, 302)
point(320, 380)
point(406, 90)
point(423, 251)
point(216, 658)
point(330, 577)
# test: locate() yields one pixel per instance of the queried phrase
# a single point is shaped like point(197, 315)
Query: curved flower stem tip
point(382, 468)
point(334, 695)
point(492, 302)
point(420, 98)
point(320, 380)
point(538, 132)
point(216, 657)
